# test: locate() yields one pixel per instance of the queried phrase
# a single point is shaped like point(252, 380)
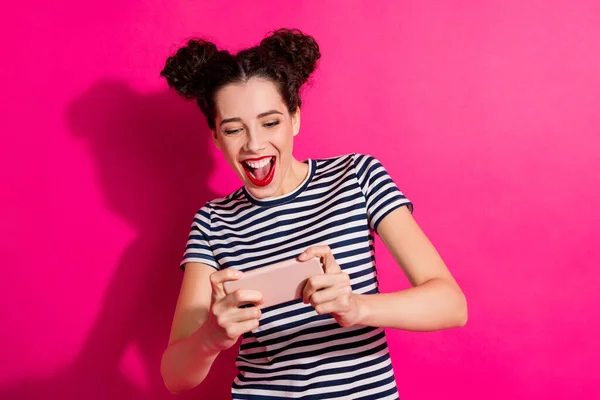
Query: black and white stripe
point(296, 353)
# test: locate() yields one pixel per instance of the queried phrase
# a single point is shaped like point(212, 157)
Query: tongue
point(261, 173)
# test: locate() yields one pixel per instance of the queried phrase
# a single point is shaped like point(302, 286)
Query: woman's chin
point(261, 190)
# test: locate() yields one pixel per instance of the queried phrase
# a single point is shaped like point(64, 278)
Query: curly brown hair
point(198, 70)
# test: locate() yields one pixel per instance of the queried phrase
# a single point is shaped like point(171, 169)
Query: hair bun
point(185, 71)
point(298, 50)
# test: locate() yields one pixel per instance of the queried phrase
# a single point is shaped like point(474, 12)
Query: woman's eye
point(231, 131)
point(271, 124)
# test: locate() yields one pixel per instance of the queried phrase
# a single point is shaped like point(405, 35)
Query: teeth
point(259, 164)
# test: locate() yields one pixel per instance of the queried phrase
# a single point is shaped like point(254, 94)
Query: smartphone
point(278, 283)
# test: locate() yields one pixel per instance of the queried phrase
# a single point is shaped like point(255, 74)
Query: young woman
point(331, 343)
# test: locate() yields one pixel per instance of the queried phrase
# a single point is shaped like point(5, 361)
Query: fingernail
point(237, 273)
point(302, 256)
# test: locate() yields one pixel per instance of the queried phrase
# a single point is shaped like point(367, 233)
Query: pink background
point(486, 113)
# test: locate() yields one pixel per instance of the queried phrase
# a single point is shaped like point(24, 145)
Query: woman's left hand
point(330, 292)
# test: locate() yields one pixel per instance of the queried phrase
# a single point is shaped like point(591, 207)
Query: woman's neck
point(296, 174)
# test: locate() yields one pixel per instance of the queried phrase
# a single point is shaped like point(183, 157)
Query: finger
point(330, 294)
point(314, 251)
point(243, 327)
point(318, 282)
point(245, 314)
point(340, 305)
point(326, 256)
point(326, 308)
point(228, 316)
point(244, 296)
point(219, 277)
point(330, 265)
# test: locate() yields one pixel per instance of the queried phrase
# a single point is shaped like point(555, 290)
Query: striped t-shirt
point(296, 353)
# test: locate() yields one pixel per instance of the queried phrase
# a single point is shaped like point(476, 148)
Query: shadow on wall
point(153, 161)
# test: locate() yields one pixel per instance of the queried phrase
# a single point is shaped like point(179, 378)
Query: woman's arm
point(188, 357)
point(206, 321)
point(434, 302)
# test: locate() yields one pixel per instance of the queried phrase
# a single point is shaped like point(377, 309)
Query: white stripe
point(308, 360)
point(319, 346)
point(327, 366)
point(301, 338)
point(295, 318)
point(321, 390)
point(300, 229)
point(378, 389)
point(264, 255)
point(324, 378)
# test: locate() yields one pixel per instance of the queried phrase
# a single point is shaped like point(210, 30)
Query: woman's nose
point(253, 142)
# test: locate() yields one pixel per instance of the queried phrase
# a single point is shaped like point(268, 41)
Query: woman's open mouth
point(261, 170)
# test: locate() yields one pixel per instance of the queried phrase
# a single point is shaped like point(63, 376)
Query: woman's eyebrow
point(259, 116)
point(224, 121)
point(264, 114)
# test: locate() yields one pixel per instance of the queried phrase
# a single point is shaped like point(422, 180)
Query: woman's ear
point(296, 121)
point(215, 140)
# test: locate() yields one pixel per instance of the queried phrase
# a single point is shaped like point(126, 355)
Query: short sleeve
point(381, 193)
point(197, 248)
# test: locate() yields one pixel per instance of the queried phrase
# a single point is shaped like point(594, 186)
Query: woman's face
point(255, 133)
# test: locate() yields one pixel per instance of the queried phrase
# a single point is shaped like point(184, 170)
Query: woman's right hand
point(226, 321)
